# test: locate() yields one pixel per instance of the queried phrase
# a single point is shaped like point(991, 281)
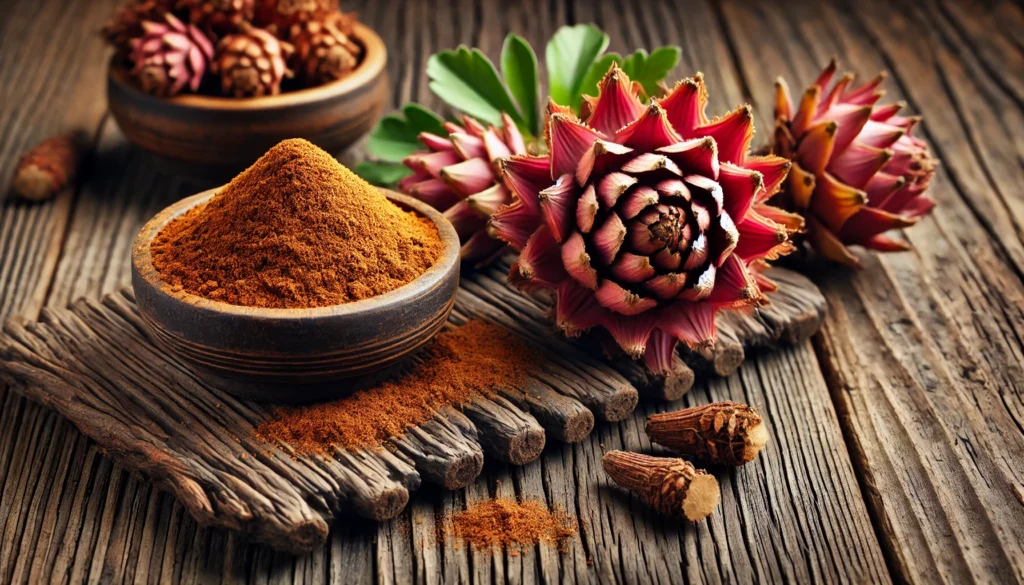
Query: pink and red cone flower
point(857, 171)
point(645, 219)
point(458, 175)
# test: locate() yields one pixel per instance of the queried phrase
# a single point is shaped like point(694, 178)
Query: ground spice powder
point(503, 521)
point(462, 363)
point(295, 230)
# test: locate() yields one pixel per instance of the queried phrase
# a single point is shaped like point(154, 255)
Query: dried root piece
point(44, 170)
point(673, 487)
point(720, 433)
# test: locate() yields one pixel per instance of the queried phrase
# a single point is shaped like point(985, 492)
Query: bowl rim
point(142, 262)
point(375, 56)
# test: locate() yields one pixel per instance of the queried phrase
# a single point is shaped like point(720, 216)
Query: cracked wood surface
point(896, 434)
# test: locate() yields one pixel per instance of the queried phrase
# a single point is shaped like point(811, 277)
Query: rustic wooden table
point(897, 448)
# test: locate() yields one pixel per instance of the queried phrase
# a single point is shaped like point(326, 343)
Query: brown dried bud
point(673, 487)
point(720, 433)
point(44, 170)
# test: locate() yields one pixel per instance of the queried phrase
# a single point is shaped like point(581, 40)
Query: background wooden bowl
point(296, 355)
point(219, 136)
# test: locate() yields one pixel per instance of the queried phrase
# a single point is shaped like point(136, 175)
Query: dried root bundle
point(44, 170)
point(720, 433)
point(673, 487)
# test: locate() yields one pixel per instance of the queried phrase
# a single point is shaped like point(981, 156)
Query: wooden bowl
point(296, 355)
point(219, 136)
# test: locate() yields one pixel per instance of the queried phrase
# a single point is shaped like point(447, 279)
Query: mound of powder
point(295, 230)
point(462, 363)
point(503, 521)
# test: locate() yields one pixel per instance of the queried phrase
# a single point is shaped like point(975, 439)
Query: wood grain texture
point(794, 515)
point(922, 350)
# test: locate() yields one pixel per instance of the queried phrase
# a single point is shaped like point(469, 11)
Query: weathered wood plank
point(921, 349)
point(743, 546)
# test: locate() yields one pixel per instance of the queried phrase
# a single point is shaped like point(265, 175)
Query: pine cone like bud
point(218, 17)
point(126, 24)
point(670, 486)
point(721, 433)
point(284, 13)
point(252, 63)
point(322, 51)
point(170, 56)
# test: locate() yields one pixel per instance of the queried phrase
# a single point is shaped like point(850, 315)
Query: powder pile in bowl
point(295, 230)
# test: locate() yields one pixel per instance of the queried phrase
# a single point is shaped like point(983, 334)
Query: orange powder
point(503, 521)
point(295, 230)
point(463, 362)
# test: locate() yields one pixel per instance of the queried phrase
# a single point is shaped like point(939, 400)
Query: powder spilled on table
point(505, 522)
point(295, 230)
point(462, 363)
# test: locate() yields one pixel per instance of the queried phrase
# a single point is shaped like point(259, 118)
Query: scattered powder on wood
point(503, 521)
point(295, 230)
point(463, 362)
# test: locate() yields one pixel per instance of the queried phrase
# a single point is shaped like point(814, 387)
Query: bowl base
point(293, 393)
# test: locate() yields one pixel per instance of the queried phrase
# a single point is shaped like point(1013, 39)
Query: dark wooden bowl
point(219, 136)
point(296, 355)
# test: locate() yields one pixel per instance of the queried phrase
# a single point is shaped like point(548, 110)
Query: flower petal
point(612, 186)
point(632, 268)
point(586, 209)
point(835, 202)
point(576, 309)
point(857, 164)
point(732, 133)
point(433, 192)
point(691, 323)
point(734, 286)
point(650, 162)
point(608, 238)
point(541, 260)
point(557, 204)
point(650, 131)
point(435, 142)
point(568, 140)
point(494, 146)
point(617, 103)
point(468, 146)
point(659, 357)
point(526, 176)
point(619, 300)
point(666, 286)
point(576, 261)
point(465, 221)
point(760, 237)
point(637, 200)
point(773, 169)
point(698, 155)
point(514, 224)
point(513, 137)
point(600, 159)
point(489, 201)
point(469, 176)
point(741, 188)
point(631, 333)
point(685, 105)
point(431, 163)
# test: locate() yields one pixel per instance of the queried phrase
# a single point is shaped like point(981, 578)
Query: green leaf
point(569, 56)
point(519, 68)
point(384, 174)
point(651, 69)
point(466, 80)
point(597, 71)
point(394, 138)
